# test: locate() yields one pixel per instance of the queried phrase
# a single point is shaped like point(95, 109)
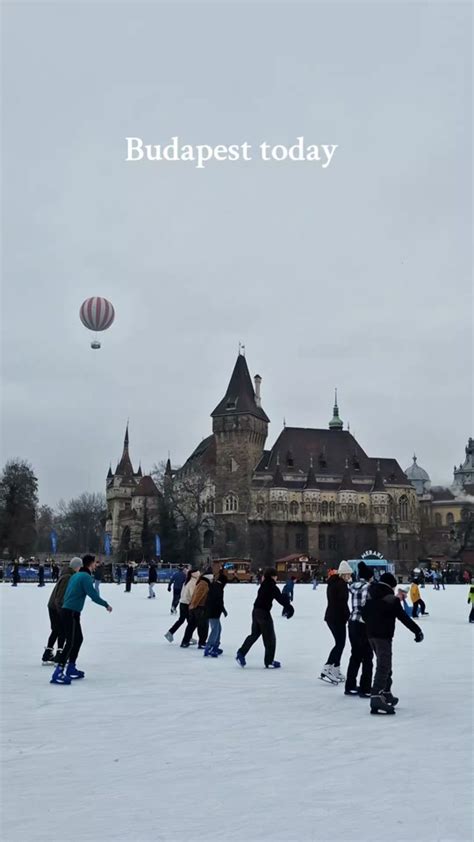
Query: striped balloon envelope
point(97, 314)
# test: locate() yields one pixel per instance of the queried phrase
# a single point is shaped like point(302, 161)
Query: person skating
point(97, 576)
point(79, 587)
point(289, 590)
point(118, 574)
point(361, 650)
point(198, 613)
point(215, 607)
point(16, 579)
point(185, 598)
point(470, 601)
point(54, 572)
point(41, 574)
point(129, 576)
point(176, 583)
point(416, 599)
point(54, 609)
point(402, 594)
point(262, 622)
point(336, 617)
point(152, 579)
point(380, 612)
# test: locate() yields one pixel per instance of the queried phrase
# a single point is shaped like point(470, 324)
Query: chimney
point(257, 380)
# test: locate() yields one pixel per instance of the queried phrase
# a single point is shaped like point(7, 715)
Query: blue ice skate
point(72, 672)
point(275, 665)
point(59, 677)
point(210, 652)
point(240, 659)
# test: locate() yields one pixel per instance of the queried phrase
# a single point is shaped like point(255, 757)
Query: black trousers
point(198, 619)
point(57, 630)
point(128, 585)
point(338, 631)
point(176, 596)
point(383, 671)
point(418, 604)
point(183, 616)
point(361, 654)
point(72, 628)
point(262, 624)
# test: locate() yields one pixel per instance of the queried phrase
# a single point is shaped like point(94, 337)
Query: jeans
point(262, 624)
point(97, 585)
point(338, 631)
point(383, 673)
point(151, 592)
point(214, 638)
point(72, 627)
point(361, 654)
point(57, 630)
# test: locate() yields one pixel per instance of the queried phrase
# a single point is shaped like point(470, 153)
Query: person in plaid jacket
point(361, 650)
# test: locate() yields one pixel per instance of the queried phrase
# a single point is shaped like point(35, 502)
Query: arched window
point(324, 508)
point(208, 539)
point(314, 507)
point(332, 542)
point(403, 508)
point(231, 503)
point(230, 533)
point(209, 505)
point(362, 510)
point(260, 507)
point(294, 508)
point(437, 519)
point(449, 519)
point(274, 507)
point(308, 507)
point(332, 508)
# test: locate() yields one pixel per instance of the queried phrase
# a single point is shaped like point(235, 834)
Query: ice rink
point(158, 744)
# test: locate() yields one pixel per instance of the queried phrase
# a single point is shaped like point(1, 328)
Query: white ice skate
point(328, 674)
point(338, 674)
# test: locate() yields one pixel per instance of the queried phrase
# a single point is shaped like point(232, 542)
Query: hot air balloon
point(96, 314)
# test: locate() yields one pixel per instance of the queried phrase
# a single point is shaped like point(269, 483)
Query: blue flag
point(107, 543)
point(54, 541)
point(157, 546)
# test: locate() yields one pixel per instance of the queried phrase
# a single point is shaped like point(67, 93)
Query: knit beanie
point(364, 571)
point(388, 579)
point(75, 563)
point(344, 568)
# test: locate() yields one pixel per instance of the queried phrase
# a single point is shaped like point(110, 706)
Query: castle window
point(208, 539)
point(299, 541)
point(332, 542)
point(332, 508)
point(281, 506)
point(230, 533)
point(437, 519)
point(260, 508)
point(308, 507)
point(231, 404)
point(322, 542)
point(449, 519)
point(403, 507)
point(289, 460)
point(209, 505)
point(314, 507)
point(362, 510)
point(324, 508)
point(294, 508)
point(274, 507)
point(231, 503)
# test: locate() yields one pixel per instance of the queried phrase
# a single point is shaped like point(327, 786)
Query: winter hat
point(75, 563)
point(364, 571)
point(388, 579)
point(344, 568)
point(270, 572)
point(403, 588)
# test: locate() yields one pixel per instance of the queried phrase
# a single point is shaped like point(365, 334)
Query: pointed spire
point(125, 467)
point(379, 484)
point(125, 441)
point(311, 476)
point(240, 397)
point(346, 481)
point(335, 422)
point(168, 470)
point(414, 458)
point(278, 480)
point(110, 474)
point(139, 472)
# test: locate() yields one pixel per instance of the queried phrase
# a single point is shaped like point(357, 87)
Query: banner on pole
point(108, 543)
point(54, 541)
point(157, 546)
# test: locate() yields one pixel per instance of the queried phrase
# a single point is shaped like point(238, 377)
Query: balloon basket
point(95, 345)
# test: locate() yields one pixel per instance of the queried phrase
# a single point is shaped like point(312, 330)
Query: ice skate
point(240, 659)
point(48, 656)
point(57, 657)
point(210, 652)
point(169, 637)
point(72, 672)
point(275, 665)
point(379, 704)
point(193, 642)
point(327, 674)
point(338, 674)
point(353, 692)
point(59, 676)
point(392, 700)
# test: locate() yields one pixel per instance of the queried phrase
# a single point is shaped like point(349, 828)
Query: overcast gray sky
point(356, 276)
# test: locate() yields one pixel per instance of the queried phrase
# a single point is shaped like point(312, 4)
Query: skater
point(152, 579)
point(16, 579)
point(336, 617)
point(97, 576)
point(315, 582)
point(361, 650)
point(118, 574)
point(380, 611)
point(443, 578)
point(41, 574)
point(402, 594)
point(186, 596)
point(54, 609)
point(215, 607)
point(289, 590)
point(262, 623)
point(54, 571)
point(129, 576)
point(176, 583)
point(416, 599)
point(79, 586)
point(470, 601)
point(198, 613)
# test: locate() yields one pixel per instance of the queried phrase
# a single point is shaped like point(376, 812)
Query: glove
point(419, 637)
point(225, 613)
point(169, 588)
point(288, 611)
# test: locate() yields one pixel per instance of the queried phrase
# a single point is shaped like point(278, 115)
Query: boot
point(379, 704)
point(59, 677)
point(72, 672)
point(48, 656)
point(169, 637)
point(57, 657)
point(240, 659)
point(392, 700)
point(275, 665)
point(210, 652)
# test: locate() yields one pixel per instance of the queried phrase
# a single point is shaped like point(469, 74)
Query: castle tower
point(335, 422)
point(240, 428)
point(119, 489)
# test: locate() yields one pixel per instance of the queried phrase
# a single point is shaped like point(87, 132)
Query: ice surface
point(158, 744)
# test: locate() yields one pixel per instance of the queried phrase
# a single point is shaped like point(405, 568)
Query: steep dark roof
point(239, 398)
point(333, 446)
point(439, 493)
point(311, 476)
point(146, 488)
point(125, 467)
point(346, 481)
point(391, 471)
point(278, 481)
point(379, 484)
point(204, 454)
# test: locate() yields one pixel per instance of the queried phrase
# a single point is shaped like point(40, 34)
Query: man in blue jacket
point(176, 582)
point(80, 586)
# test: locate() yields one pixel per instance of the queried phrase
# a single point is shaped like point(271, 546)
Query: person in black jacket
point(336, 617)
point(129, 576)
point(215, 607)
point(380, 612)
point(152, 579)
point(262, 623)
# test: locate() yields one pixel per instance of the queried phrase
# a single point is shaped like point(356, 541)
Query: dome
point(414, 472)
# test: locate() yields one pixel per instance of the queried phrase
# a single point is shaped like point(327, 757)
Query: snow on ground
point(158, 744)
